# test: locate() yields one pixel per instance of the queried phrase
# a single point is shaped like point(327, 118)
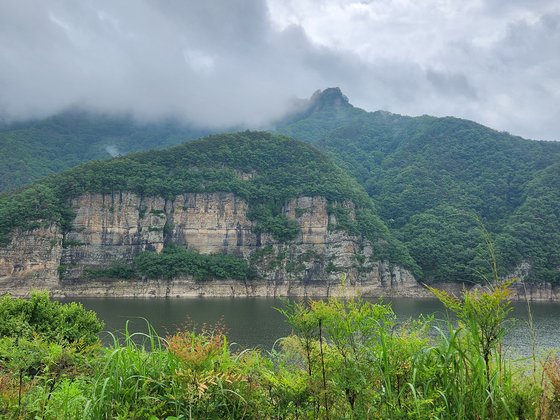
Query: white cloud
point(199, 61)
point(492, 61)
point(238, 62)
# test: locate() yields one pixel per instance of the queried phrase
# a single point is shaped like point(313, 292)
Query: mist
point(112, 150)
point(241, 63)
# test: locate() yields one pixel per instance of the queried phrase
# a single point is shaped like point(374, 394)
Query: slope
point(33, 149)
point(264, 169)
point(433, 177)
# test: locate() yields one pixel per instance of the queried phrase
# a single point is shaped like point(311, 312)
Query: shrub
point(175, 261)
point(50, 320)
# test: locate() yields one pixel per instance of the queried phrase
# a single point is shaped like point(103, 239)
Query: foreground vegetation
point(344, 359)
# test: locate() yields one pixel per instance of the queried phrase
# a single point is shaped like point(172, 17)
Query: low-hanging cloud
point(239, 63)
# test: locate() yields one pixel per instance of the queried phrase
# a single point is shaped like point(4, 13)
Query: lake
point(254, 322)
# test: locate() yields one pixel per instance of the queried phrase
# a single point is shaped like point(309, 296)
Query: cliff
point(245, 213)
point(119, 226)
point(248, 213)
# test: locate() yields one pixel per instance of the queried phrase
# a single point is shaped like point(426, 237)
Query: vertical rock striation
point(118, 226)
point(32, 259)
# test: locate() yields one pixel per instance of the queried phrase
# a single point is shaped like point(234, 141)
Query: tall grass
point(345, 359)
point(376, 368)
point(129, 379)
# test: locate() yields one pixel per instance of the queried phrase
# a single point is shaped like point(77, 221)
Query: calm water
point(255, 321)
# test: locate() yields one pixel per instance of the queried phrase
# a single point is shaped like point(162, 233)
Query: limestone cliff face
point(118, 226)
point(32, 259)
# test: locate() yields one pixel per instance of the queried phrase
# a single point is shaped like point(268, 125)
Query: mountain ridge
point(278, 205)
point(426, 171)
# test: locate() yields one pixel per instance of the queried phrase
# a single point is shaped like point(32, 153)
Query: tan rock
point(118, 226)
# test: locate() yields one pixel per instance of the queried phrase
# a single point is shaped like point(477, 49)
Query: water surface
point(254, 322)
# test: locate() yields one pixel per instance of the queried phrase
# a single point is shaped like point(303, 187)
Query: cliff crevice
point(121, 225)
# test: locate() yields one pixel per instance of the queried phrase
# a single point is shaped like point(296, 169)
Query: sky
point(240, 63)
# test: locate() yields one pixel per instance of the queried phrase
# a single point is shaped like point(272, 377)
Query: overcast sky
point(239, 62)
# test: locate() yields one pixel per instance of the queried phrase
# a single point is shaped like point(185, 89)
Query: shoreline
point(188, 288)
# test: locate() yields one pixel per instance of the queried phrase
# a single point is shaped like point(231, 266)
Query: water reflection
point(254, 322)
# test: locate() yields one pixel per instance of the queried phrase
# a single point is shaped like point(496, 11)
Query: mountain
point(441, 185)
point(31, 150)
point(435, 180)
point(262, 209)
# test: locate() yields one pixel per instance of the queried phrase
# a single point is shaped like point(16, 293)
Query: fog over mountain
point(241, 63)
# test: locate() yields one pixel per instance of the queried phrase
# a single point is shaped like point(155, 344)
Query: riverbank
point(342, 359)
point(187, 287)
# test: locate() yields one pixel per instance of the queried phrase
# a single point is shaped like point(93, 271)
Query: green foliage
point(415, 169)
point(266, 170)
point(418, 170)
point(51, 320)
point(35, 376)
point(385, 246)
point(350, 359)
point(176, 261)
point(116, 270)
point(31, 209)
point(43, 346)
point(345, 358)
point(343, 219)
point(449, 243)
point(279, 226)
point(532, 233)
point(69, 243)
point(367, 224)
point(482, 316)
point(262, 252)
point(34, 149)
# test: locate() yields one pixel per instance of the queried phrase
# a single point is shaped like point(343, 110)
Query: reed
point(346, 358)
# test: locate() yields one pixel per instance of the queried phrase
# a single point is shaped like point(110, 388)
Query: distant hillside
point(434, 180)
point(264, 169)
point(431, 177)
point(34, 149)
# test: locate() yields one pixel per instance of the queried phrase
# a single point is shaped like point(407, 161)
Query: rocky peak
point(328, 98)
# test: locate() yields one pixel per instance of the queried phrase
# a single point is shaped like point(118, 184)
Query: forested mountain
point(33, 149)
point(435, 181)
point(266, 170)
point(433, 177)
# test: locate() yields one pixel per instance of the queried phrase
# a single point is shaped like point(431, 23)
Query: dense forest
point(265, 169)
point(32, 150)
point(435, 181)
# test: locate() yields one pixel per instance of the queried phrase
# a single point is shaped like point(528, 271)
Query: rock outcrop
point(119, 226)
point(32, 259)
